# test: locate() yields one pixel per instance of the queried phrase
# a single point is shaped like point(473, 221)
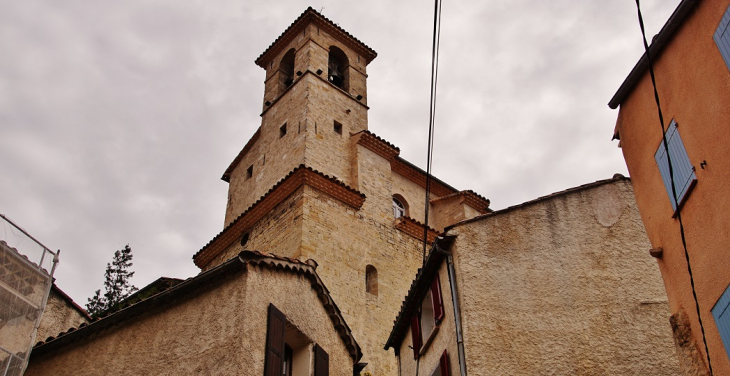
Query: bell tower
point(315, 98)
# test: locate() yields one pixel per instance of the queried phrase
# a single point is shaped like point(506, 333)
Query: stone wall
point(220, 329)
point(59, 316)
point(563, 285)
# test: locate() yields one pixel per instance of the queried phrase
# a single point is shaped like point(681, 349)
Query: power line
point(432, 114)
point(674, 189)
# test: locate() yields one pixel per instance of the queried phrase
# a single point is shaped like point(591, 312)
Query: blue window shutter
point(722, 37)
point(684, 173)
point(721, 313)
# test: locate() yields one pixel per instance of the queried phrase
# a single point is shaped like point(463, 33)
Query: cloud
point(118, 118)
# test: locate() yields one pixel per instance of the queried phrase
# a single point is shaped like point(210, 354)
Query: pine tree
point(116, 285)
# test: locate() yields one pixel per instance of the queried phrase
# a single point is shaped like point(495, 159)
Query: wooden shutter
point(321, 362)
point(721, 313)
point(436, 301)
point(722, 37)
point(444, 364)
point(682, 169)
point(274, 342)
point(416, 335)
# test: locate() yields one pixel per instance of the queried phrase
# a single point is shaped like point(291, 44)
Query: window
point(371, 280)
point(722, 37)
point(289, 351)
point(684, 174)
point(399, 209)
point(337, 68)
point(286, 70)
point(721, 313)
point(249, 172)
point(431, 314)
point(282, 131)
point(338, 128)
point(443, 367)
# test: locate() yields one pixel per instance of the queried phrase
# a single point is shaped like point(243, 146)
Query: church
point(324, 235)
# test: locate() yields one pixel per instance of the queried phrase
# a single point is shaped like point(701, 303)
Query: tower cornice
point(312, 16)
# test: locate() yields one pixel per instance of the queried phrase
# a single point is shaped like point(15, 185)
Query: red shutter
point(274, 342)
point(416, 335)
point(438, 303)
point(444, 364)
point(321, 362)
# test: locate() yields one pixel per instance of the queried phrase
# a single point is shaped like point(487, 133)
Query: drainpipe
point(457, 312)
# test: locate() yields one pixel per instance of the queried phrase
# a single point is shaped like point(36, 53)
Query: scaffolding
point(26, 275)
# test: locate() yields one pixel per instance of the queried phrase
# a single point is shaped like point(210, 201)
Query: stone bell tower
point(314, 183)
point(315, 97)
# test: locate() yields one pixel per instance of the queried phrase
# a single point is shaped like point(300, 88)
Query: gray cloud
point(118, 118)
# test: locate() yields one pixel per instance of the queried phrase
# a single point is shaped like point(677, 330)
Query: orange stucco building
point(691, 60)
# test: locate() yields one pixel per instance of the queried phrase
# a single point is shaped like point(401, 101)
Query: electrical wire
point(432, 115)
point(671, 178)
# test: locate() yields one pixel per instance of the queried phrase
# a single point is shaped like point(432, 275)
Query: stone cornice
point(298, 177)
point(414, 228)
point(312, 16)
point(471, 198)
point(399, 165)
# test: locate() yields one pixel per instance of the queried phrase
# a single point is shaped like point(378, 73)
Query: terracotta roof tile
point(182, 291)
point(280, 191)
point(311, 15)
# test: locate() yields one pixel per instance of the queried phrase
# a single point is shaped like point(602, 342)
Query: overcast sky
point(119, 117)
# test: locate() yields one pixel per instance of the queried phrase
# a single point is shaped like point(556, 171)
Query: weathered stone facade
point(213, 324)
point(61, 314)
point(313, 182)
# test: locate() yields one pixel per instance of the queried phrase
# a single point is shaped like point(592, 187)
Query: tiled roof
point(471, 198)
point(70, 301)
point(401, 166)
point(311, 15)
point(285, 187)
point(415, 229)
point(616, 177)
point(182, 291)
point(417, 291)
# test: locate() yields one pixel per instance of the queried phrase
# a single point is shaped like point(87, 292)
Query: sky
point(118, 118)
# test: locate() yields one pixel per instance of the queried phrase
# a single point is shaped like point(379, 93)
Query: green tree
point(116, 285)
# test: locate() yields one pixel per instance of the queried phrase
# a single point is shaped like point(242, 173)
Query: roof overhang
point(659, 42)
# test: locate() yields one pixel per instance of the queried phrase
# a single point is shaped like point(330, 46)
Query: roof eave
point(657, 46)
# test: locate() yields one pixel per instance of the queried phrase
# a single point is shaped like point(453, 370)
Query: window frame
point(438, 313)
point(684, 173)
point(721, 314)
point(399, 209)
point(722, 37)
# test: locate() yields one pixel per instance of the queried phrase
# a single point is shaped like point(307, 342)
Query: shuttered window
point(684, 174)
point(321, 362)
point(721, 313)
point(275, 327)
point(416, 335)
point(438, 303)
point(444, 364)
point(722, 37)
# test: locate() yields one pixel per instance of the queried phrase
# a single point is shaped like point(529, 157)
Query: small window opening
point(282, 131)
point(371, 280)
point(286, 70)
point(249, 172)
point(299, 347)
point(337, 68)
point(338, 128)
point(427, 318)
point(399, 208)
point(244, 239)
